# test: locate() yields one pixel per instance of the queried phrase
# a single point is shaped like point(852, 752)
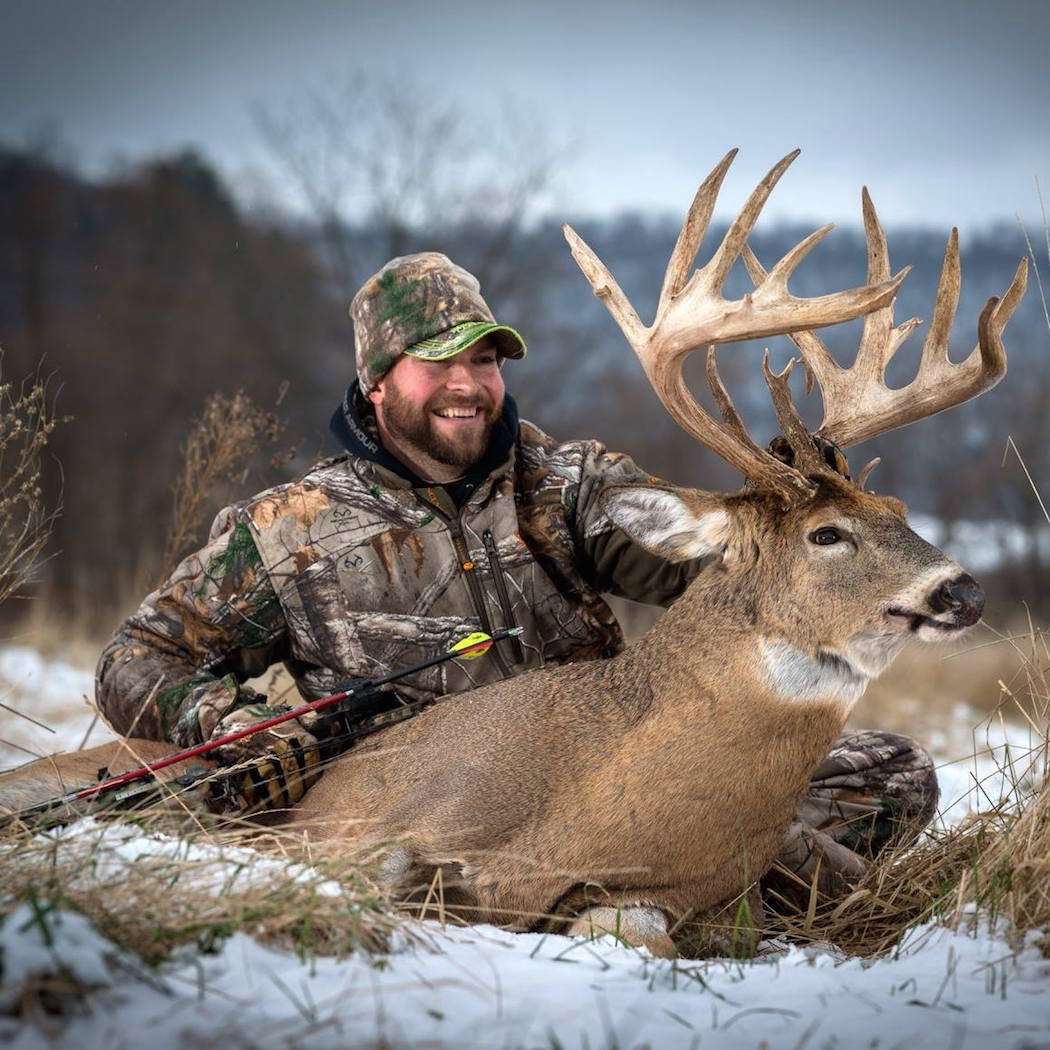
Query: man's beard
point(414, 425)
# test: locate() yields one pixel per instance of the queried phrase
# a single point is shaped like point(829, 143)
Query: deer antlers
point(692, 313)
point(857, 403)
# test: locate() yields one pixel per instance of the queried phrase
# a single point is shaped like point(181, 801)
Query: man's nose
point(460, 377)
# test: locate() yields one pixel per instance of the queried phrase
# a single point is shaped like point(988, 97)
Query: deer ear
point(675, 524)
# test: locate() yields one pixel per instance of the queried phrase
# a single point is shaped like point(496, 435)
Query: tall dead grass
point(27, 421)
point(219, 448)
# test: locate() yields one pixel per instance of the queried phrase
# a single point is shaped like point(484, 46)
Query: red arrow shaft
point(210, 745)
point(256, 727)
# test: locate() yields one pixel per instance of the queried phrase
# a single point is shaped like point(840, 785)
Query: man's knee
point(873, 788)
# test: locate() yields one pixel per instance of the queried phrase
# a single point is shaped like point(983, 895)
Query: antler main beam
point(857, 403)
point(692, 313)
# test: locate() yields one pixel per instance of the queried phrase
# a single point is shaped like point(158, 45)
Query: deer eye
point(825, 536)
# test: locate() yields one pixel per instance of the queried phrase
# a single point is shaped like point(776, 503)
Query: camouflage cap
point(426, 306)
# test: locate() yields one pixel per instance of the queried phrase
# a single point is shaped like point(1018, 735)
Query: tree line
point(145, 291)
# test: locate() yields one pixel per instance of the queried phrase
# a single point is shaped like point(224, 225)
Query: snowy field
point(486, 988)
point(483, 987)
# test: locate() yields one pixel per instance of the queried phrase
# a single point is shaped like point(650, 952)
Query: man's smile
point(458, 412)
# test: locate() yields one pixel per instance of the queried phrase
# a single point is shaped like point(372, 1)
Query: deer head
point(828, 575)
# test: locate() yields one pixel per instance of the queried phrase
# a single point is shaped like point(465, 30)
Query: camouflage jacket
point(351, 571)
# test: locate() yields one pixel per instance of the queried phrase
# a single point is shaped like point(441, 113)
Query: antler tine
point(807, 459)
point(857, 403)
point(877, 346)
point(605, 288)
point(939, 383)
point(770, 309)
point(947, 302)
point(817, 357)
point(693, 230)
point(714, 274)
point(730, 416)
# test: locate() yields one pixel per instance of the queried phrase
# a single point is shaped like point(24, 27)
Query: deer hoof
point(640, 927)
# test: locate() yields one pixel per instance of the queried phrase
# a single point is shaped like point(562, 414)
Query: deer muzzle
point(961, 596)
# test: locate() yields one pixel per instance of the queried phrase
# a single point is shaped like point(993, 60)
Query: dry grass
point(151, 891)
point(996, 865)
point(27, 420)
point(221, 444)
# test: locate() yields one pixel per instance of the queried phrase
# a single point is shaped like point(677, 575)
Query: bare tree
point(389, 157)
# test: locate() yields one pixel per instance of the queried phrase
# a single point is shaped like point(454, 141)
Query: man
point(444, 515)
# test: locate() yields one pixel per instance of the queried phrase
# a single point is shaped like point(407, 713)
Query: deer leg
point(731, 931)
point(642, 926)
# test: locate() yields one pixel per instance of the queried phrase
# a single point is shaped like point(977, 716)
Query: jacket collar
point(353, 425)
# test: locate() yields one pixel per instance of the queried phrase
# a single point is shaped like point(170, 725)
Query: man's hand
point(295, 732)
point(280, 763)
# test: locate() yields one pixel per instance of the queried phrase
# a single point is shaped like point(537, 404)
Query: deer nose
point(962, 596)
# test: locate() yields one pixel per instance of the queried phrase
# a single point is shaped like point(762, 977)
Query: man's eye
point(825, 536)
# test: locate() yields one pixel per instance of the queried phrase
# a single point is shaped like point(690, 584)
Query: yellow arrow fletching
point(473, 646)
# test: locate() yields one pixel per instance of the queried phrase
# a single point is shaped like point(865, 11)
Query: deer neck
point(713, 648)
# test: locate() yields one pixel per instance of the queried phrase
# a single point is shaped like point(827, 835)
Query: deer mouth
point(916, 620)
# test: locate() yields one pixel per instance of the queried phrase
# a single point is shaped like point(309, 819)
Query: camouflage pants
point(874, 788)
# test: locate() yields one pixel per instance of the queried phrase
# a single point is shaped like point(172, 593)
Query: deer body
point(620, 774)
point(668, 774)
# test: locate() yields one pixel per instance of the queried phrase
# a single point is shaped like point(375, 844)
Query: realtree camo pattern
point(874, 788)
point(415, 298)
point(351, 573)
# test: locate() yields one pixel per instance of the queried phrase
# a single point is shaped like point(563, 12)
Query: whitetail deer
point(667, 775)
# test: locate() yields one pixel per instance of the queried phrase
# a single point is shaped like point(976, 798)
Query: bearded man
point(444, 515)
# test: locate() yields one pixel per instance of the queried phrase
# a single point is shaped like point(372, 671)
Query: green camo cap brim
point(461, 336)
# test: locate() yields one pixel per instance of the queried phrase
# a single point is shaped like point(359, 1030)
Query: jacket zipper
point(504, 597)
point(455, 528)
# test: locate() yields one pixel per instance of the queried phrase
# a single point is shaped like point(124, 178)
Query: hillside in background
point(145, 291)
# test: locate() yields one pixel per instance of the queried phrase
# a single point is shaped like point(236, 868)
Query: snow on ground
point(483, 987)
point(52, 693)
point(980, 761)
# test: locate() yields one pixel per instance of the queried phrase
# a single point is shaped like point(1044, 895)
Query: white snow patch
point(488, 988)
point(982, 762)
point(110, 852)
point(51, 692)
point(42, 942)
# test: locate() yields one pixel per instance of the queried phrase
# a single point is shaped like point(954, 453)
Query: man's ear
point(676, 524)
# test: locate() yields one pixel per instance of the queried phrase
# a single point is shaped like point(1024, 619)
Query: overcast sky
point(940, 107)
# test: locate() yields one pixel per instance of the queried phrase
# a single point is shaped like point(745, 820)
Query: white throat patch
point(796, 675)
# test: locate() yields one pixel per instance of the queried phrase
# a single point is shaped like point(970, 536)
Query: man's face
point(444, 409)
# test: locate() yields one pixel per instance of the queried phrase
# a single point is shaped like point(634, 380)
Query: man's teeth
point(457, 413)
